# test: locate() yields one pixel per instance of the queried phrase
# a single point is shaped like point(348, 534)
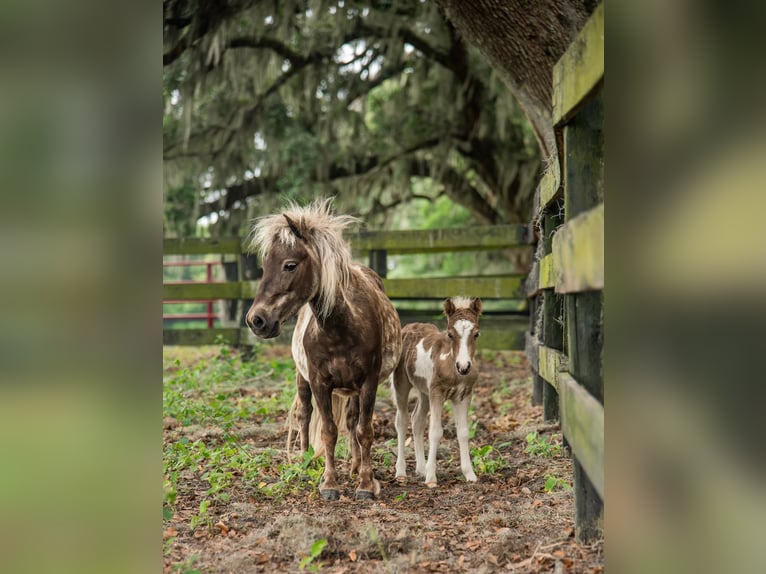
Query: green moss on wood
point(578, 250)
point(582, 422)
point(580, 69)
point(440, 240)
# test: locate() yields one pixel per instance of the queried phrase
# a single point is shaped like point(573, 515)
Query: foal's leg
point(435, 432)
point(460, 411)
point(304, 394)
point(419, 416)
point(352, 418)
point(400, 389)
point(329, 485)
point(368, 487)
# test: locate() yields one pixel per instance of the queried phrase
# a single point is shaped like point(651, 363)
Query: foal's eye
point(450, 335)
point(290, 266)
point(477, 334)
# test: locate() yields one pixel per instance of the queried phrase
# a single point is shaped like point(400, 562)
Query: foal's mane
point(320, 228)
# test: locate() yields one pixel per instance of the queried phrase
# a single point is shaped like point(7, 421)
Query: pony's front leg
point(368, 487)
point(328, 488)
point(304, 394)
point(435, 432)
point(460, 410)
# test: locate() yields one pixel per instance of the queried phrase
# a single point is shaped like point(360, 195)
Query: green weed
point(372, 532)
point(540, 446)
point(552, 483)
point(316, 551)
point(185, 567)
point(487, 460)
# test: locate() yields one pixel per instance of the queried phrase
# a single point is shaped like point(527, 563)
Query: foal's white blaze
point(424, 365)
point(463, 328)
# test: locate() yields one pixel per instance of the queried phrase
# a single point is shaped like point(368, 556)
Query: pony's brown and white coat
point(347, 337)
point(440, 365)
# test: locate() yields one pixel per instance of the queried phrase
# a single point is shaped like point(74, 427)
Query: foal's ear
point(293, 227)
point(449, 307)
point(476, 306)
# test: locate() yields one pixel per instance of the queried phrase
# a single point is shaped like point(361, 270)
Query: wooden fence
point(504, 330)
point(565, 341)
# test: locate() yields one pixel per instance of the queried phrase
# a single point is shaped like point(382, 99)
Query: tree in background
point(522, 41)
point(272, 100)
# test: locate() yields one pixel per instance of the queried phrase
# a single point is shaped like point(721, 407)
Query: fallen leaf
point(352, 556)
point(169, 533)
point(222, 526)
point(473, 544)
point(537, 503)
point(525, 490)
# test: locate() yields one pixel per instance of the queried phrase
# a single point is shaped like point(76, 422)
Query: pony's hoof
point(431, 484)
point(330, 494)
point(364, 495)
point(401, 479)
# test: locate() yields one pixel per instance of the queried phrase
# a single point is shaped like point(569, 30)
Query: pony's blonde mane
point(321, 229)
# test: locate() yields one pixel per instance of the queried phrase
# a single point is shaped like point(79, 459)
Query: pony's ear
point(294, 227)
point(476, 306)
point(449, 307)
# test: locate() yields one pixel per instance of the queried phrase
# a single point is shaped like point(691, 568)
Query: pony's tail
point(339, 407)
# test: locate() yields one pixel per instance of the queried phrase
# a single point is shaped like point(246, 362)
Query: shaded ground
point(507, 522)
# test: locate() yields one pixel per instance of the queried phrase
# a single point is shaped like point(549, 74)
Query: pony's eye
point(290, 266)
point(477, 334)
point(449, 334)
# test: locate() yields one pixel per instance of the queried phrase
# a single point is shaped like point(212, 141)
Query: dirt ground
point(506, 522)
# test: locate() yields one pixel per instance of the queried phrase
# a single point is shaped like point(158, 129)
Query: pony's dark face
point(463, 330)
point(290, 279)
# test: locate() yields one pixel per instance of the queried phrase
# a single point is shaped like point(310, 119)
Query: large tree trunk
point(522, 40)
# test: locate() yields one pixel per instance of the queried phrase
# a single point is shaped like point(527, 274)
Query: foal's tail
point(339, 407)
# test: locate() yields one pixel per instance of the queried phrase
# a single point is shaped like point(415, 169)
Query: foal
point(441, 367)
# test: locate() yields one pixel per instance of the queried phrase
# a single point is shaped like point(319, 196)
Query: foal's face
point(463, 330)
point(289, 281)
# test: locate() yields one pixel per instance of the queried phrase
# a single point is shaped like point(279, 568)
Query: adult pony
point(440, 365)
point(347, 338)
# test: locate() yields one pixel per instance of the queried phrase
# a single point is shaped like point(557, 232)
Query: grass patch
point(221, 394)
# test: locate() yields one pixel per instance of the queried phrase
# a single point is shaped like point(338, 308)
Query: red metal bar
point(209, 303)
point(209, 316)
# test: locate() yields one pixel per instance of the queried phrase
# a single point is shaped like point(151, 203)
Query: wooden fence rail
point(565, 341)
point(499, 331)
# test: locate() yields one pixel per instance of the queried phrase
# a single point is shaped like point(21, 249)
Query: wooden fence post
point(379, 262)
point(552, 335)
point(583, 184)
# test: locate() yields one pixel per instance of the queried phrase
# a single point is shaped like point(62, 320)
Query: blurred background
point(406, 123)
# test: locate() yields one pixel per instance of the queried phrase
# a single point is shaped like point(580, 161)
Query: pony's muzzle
point(463, 369)
point(262, 325)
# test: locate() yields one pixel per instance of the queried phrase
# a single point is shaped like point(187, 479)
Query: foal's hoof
point(365, 495)
point(330, 494)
